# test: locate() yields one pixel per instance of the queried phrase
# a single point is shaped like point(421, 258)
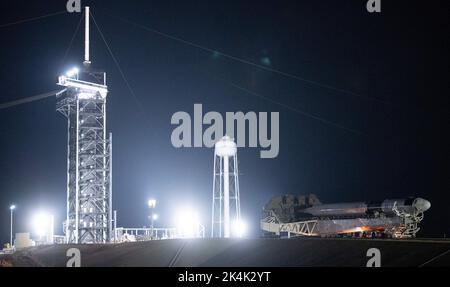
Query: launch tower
point(89, 161)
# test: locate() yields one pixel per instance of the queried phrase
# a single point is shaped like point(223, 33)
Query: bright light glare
point(187, 223)
point(152, 203)
point(42, 223)
point(85, 96)
point(239, 228)
point(12, 207)
point(155, 217)
point(72, 72)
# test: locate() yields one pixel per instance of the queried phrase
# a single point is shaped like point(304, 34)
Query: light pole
point(11, 208)
point(152, 205)
point(154, 217)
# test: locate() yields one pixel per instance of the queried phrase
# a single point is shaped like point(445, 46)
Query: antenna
point(86, 62)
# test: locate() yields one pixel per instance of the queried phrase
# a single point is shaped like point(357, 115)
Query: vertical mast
point(226, 197)
point(87, 61)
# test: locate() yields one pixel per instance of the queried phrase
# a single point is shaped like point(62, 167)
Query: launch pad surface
point(295, 252)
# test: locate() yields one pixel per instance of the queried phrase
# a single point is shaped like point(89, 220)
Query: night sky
point(384, 76)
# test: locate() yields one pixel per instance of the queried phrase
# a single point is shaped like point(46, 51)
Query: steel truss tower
point(89, 160)
point(226, 211)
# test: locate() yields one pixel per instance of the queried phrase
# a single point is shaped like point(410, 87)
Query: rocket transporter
point(307, 216)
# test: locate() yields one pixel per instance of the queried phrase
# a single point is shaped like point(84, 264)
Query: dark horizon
point(361, 97)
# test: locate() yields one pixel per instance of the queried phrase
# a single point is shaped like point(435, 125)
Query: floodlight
point(42, 223)
point(239, 228)
point(72, 72)
point(152, 203)
point(187, 223)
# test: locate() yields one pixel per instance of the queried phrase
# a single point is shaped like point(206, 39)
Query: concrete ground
point(240, 253)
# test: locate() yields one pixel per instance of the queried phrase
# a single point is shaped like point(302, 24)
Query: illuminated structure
point(306, 216)
point(44, 228)
point(226, 203)
point(11, 208)
point(89, 162)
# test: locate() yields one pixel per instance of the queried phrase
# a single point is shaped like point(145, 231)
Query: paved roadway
point(244, 252)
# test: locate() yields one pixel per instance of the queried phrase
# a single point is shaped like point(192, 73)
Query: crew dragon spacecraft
point(307, 216)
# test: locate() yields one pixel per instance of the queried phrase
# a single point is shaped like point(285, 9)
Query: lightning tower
point(226, 211)
point(89, 152)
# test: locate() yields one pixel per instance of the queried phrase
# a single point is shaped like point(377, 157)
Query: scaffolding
point(89, 149)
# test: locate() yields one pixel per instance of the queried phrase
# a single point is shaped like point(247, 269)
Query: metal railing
point(122, 234)
point(143, 234)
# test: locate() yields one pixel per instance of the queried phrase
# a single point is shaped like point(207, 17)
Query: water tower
point(226, 204)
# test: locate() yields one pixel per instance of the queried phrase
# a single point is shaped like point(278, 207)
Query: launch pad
point(89, 222)
point(299, 252)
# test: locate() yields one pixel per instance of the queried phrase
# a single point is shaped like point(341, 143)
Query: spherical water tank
point(225, 147)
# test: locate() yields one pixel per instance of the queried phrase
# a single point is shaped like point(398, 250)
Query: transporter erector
point(298, 215)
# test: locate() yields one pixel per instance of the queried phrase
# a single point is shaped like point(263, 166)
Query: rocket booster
point(358, 209)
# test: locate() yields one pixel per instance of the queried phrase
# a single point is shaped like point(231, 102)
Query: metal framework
point(89, 161)
point(144, 234)
point(271, 223)
point(402, 225)
point(409, 222)
point(226, 200)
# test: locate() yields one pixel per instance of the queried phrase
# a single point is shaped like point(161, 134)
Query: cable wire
point(434, 258)
point(244, 61)
point(73, 38)
point(236, 87)
point(116, 62)
point(296, 110)
point(32, 19)
point(45, 95)
point(29, 99)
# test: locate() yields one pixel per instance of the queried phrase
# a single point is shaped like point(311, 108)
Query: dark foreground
point(240, 253)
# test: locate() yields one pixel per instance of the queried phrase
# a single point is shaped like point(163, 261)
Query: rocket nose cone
point(421, 204)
